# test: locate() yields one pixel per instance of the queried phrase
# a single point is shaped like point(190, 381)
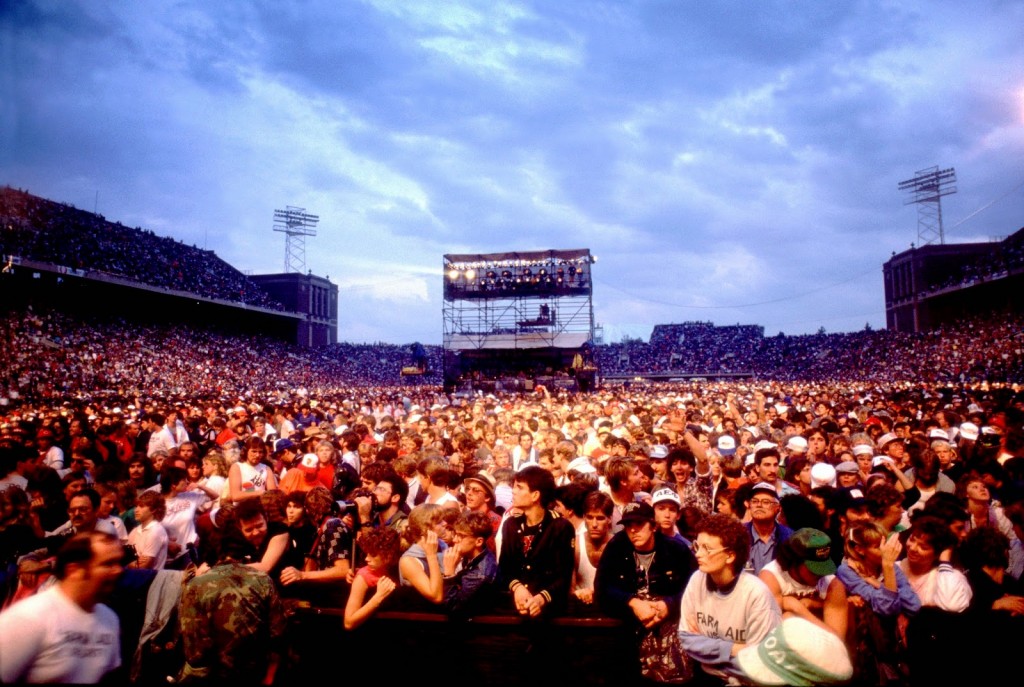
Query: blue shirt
point(763, 552)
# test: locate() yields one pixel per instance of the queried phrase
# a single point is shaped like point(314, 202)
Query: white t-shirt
point(49, 638)
point(214, 483)
point(54, 458)
point(943, 586)
point(150, 540)
point(180, 518)
point(13, 480)
point(160, 440)
point(115, 523)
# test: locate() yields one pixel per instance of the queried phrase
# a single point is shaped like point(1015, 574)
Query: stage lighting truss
point(518, 300)
point(537, 273)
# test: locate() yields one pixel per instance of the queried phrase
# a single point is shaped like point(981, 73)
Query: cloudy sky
point(728, 161)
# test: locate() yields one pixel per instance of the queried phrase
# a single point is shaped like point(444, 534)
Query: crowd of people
point(989, 347)
point(37, 229)
point(713, 518)
point(49, 356)
point(1006, 258)
point(852, 513)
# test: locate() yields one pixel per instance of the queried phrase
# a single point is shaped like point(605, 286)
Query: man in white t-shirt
point(65, 634)
point(52, 455)
point(149, 538)
point(160, 438)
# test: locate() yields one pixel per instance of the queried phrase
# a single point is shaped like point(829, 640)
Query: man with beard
point(388, 508)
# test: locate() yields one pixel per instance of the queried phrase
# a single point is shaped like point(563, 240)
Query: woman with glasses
point(724, 607)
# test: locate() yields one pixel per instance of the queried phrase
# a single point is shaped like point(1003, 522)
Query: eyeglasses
point(698, 548)
point(762, 502)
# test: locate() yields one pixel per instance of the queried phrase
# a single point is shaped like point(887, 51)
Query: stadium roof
point(537, 255)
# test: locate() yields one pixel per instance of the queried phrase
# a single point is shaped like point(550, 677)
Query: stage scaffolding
point(516, 313)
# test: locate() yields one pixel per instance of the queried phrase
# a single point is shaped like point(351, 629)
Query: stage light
point(506, 274)
point(527, 272)
point(470, 274)
point(453, 274)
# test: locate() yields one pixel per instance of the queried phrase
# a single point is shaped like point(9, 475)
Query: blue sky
point(727, 161)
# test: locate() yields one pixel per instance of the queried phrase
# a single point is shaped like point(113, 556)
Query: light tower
point(926, 190)
point(296, 225)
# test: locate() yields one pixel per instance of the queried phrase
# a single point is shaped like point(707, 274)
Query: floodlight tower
point(296, 225)
point(926, 190)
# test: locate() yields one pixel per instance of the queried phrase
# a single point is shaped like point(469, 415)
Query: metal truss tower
point(926, 190)
point(296, 225)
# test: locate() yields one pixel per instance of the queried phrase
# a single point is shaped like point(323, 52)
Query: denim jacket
point(471, 590)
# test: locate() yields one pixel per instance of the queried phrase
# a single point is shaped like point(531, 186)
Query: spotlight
point(470, 274)
point(453, 274)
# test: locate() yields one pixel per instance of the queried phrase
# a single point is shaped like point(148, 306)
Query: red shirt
point(325, 476)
